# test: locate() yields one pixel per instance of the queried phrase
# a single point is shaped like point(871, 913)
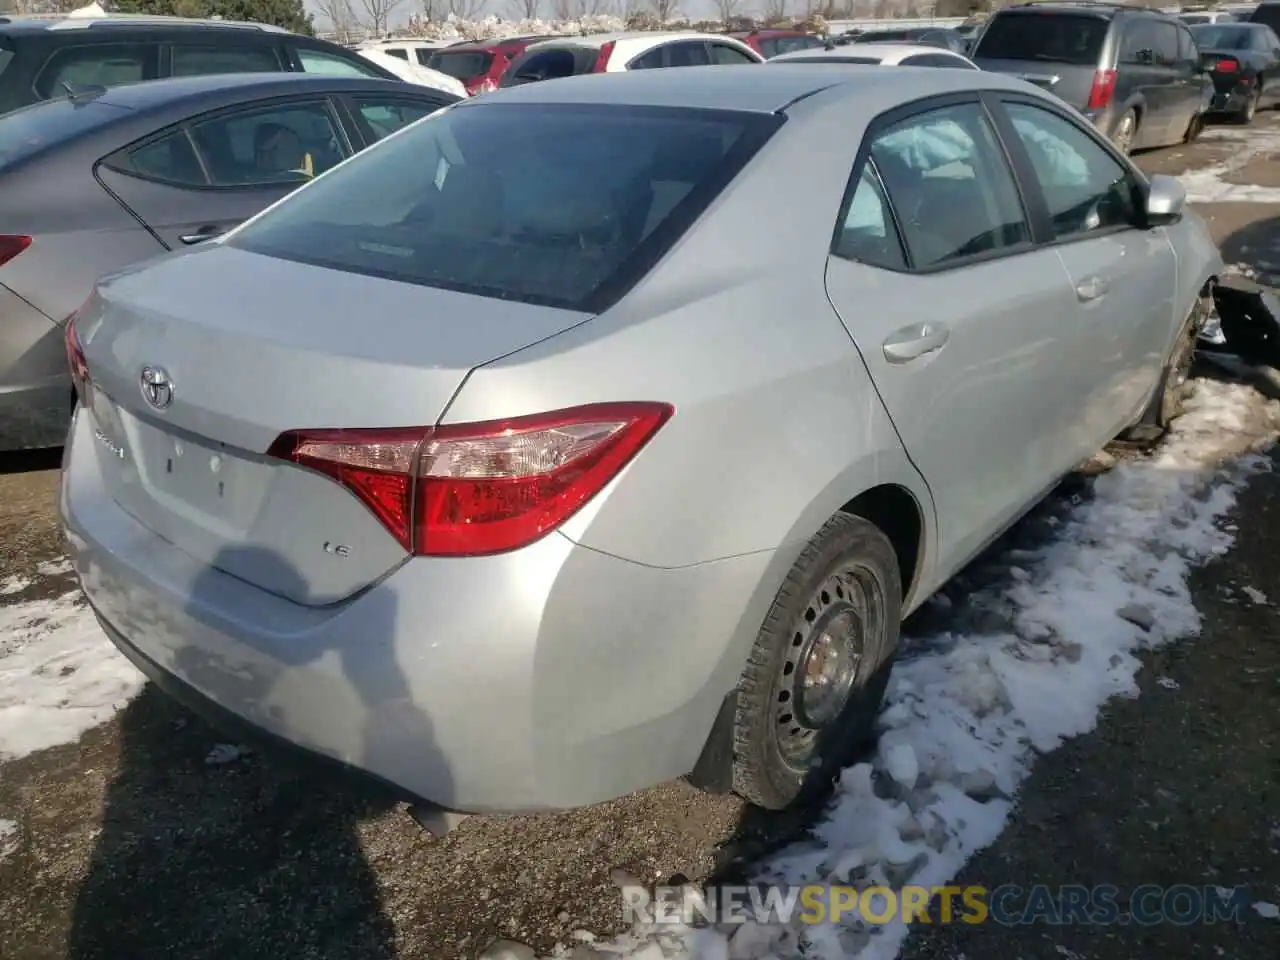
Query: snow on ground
point(967, 715)
point(59, 674)
point(1209, 184)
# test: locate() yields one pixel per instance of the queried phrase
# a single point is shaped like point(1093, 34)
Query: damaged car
point(401, 471)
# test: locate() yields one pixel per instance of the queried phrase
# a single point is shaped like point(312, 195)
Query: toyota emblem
point(157, 388)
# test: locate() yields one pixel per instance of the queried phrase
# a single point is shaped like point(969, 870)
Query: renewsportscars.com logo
point(1007, 905)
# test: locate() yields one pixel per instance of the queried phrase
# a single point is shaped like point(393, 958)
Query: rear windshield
point(834, 59)
point(773, 46)
point(29, 131)
point(544, 65)
point(1268, 13)
point(1053, 37)
point(462, 65)
point(562, 205)
point(1223, 36)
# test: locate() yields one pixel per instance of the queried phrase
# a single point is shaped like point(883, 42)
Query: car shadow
point(30, 461)
point(206, 851)
point(1256, 244)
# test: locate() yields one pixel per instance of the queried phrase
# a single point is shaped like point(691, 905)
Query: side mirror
point(1165, 201)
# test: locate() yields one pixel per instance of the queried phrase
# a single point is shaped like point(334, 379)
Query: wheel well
point(895, 511)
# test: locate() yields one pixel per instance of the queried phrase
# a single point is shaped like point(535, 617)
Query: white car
point(882, 54)
point(413, 72)
point(618, 52)
point(411, 51)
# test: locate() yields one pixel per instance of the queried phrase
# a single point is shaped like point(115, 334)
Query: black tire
point(1170, 398)
point(1126, 132)
point(845, 586)
point(1250, 109)
point(1194, 129)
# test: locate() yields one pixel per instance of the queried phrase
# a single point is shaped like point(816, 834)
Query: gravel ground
point(132, 845)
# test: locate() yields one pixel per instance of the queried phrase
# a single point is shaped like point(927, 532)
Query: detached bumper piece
point(1244, 336)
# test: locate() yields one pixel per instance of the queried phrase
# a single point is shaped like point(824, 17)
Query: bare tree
point(564, 9)
point(664, 10)
point(464, 9)
point(433, 11)
point(339, 14)
point(775, 10)
point(727, 9)
point(376, 14)
point(524, 9)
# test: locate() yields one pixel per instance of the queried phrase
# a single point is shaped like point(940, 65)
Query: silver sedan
point(603, 430)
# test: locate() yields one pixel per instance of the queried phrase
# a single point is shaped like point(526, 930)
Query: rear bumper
point(35, 388)
point(1232, 100)
point(551, 677)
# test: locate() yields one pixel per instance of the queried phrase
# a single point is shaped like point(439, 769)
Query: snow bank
point(968, 711)
point(59, 674)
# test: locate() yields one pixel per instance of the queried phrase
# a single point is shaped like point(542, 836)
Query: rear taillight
point(602, 61)
point(483, 488)
point(1227, 66)
point(11, 245)
point(1103, 89)
point(76, 361)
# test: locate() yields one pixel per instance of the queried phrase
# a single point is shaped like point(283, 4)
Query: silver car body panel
point(593, 661)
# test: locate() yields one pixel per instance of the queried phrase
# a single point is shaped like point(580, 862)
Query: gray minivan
point(1135, 73)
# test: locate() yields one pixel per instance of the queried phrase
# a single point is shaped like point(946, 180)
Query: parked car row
point(401, 471)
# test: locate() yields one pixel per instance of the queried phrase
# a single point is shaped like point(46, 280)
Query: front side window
point(687, 53)
point(1187, 52)
point(1086, 188)
point(331, 65)
point(384, 117)
point(538, 203)
point(191, 61)
point(96, 65)
point(267, 146)
point(1166, 38)
point(949, 185)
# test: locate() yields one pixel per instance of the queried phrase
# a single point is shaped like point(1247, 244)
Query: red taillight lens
point(1104, 88)
point(484, 488)
point(11, 245)
point(602, 61)
point(1227, 66)
point(76, 361)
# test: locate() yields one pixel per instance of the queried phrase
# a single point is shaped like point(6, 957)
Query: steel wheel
point(808, 698)
point(833, 650)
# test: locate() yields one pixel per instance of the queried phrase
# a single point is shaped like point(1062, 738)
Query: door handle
point(914, 341)
point(1095, 288)
point(201, 235)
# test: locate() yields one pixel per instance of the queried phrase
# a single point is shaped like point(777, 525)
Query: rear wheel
point(1250, 109)
point(816, 676)
point(1125, 132)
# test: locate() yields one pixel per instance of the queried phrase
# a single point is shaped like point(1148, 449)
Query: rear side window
point(29, 131)
point(96, 65)
point(1051, 37)
point(464, 65)
point(396, 52)
point(563, 205)
point(726, 56)
point(540, 65)
point(198, 61)
point(384, 116)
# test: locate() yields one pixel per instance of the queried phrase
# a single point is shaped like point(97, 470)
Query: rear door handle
point(913, 342)
point(1095, 288)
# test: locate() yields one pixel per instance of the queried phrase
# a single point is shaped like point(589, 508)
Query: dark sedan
point(104, 178)
point(1244, 61)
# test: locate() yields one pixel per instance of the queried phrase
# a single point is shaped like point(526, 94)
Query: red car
point(770, 43)
point(480, 65)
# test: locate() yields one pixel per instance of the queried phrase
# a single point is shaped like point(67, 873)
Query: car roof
point(493, 42)
point(1101, 10)
point(755, 88)
point(159, 94)
point(656, 36)
point(768, 32)
point(859, 50)
point(19, 24)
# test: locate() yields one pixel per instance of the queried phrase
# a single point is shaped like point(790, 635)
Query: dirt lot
point(132, 845)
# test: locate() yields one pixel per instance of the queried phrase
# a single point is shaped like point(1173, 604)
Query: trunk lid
point(251, 346)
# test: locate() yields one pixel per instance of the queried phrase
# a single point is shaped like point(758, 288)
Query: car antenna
point(82, 94)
